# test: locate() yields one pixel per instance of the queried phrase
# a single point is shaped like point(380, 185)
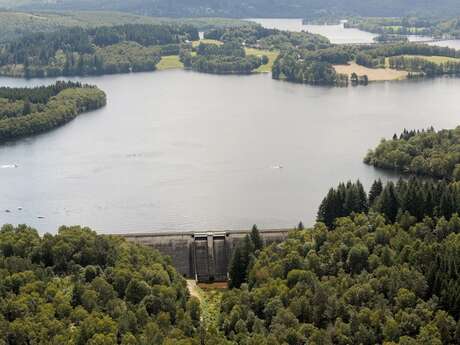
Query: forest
point(77, 287)
point(367, 281)
point(303, 57)
point(228, 58)
point(14, 24)
point(92, 51)
point(310, 59)
point(405, 201)
point(380, 270)
point(298, 57)
point(26, 112)
point(249, 8)
point(427, 152)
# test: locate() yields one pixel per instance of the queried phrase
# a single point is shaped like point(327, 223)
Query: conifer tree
point(376, 190)
point(238, 267)
point(328, 210)
point(388, 202)
point(256, 239)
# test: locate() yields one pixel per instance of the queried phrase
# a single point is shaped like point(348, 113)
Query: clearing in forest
point(374, 74)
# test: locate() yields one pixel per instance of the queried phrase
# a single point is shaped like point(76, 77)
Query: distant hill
point(248, 8)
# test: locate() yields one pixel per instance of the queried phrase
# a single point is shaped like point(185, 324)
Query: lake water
point(179, 150)
point(336, 33)
point(454, 44)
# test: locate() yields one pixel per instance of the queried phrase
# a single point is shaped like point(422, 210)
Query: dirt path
point(194, 290)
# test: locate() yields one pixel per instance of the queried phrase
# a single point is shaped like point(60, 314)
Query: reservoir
point(179, 150)
point(337, 34)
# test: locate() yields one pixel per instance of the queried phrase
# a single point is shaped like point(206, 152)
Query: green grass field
point(272, 55)
point(169, 62)
point(207, 41)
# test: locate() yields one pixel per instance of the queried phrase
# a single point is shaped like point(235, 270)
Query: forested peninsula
point(427, 152)
point(25, 112)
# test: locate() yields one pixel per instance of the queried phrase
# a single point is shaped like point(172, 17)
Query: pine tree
point(242, 259)
point(351, 202)
point(388, 202)
point(256, 239)
point(446, 205)
point(362, 197)
point(329, 208)
point(238, 267)
point(376, 190)
point(27, 107)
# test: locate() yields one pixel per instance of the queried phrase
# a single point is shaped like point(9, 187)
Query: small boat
point(277, 167)
point(7, 211)
point(40, 217)
point(19, 208)
point(9, 166)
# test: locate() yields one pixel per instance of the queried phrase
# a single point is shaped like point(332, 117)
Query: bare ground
point(374, 74)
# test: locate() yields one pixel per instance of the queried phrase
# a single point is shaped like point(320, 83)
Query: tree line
point(421, 66)
point(25, 112)
point(405, 201)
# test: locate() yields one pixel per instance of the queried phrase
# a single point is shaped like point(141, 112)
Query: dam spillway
point(204, 256)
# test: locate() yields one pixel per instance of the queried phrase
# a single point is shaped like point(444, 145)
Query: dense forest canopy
point(228, 58)
point(249, 8)
point(25, 112)
point(366, 282)
point(80, 288)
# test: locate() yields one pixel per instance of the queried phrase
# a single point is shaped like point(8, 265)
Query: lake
point(338, 34)
point(178, 150)
point(454, 44)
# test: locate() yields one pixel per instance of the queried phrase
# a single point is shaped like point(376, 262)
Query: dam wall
point(204, 256)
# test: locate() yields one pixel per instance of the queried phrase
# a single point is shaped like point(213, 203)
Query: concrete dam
point(203, 256)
